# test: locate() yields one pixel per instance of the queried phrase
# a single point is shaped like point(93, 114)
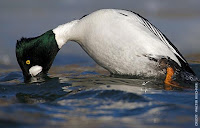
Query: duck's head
point(36, 55)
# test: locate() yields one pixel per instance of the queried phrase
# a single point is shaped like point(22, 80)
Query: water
point(86, 97)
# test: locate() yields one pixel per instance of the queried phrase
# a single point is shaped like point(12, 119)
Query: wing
point(162, 37)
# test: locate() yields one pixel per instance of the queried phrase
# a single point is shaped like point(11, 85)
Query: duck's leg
point(169, 83)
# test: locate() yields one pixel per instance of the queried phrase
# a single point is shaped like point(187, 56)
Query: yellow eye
point(28, 62)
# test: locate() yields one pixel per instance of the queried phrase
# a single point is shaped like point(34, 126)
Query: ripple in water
point(88, 97)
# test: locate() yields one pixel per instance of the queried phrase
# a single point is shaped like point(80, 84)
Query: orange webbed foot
point(169, 83)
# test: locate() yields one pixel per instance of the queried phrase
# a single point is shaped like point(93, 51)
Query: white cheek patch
point(35, 70)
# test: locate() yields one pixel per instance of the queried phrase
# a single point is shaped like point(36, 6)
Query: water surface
point(86, 97)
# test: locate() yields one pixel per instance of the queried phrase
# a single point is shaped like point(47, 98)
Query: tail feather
point(185, 66)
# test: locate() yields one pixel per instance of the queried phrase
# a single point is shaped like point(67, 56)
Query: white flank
point(35, 70)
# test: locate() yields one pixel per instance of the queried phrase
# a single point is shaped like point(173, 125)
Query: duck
point(121, 41)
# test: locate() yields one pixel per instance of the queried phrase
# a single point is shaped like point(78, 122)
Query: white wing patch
point(159, 34)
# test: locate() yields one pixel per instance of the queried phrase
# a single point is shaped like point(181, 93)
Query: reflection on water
point(81, 96)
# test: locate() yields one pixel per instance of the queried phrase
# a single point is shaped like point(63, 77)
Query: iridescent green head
point(36, 55)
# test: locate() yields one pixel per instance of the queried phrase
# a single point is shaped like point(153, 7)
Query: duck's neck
point(65, 32)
